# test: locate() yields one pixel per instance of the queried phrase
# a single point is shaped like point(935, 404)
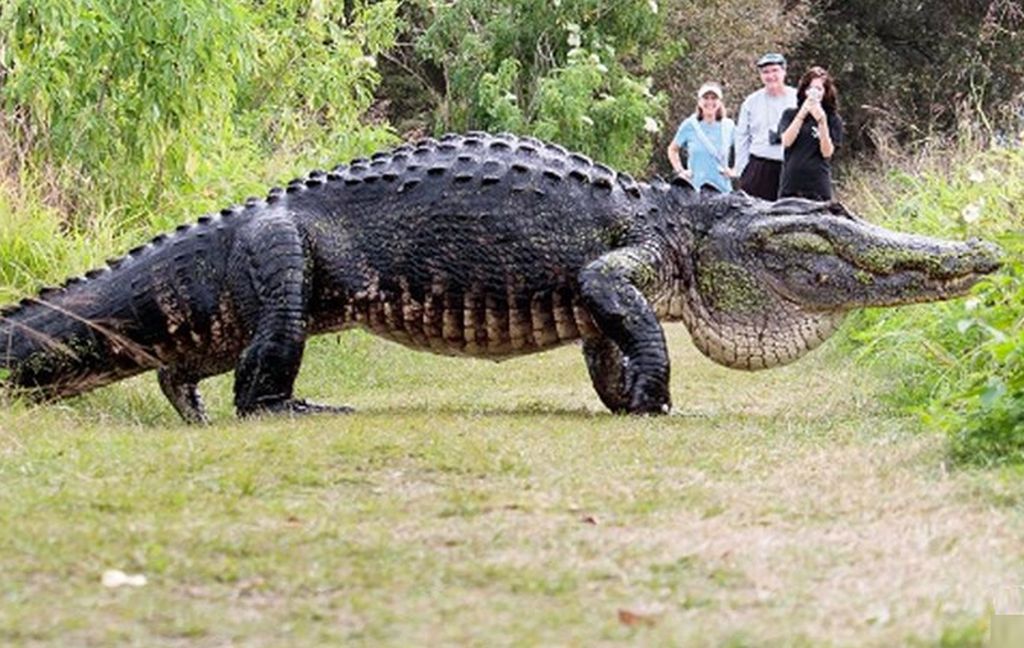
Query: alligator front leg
point(267, 368)
point(607, 368)
point(632, 360)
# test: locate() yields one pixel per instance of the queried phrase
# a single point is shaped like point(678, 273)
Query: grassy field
point(469, 503)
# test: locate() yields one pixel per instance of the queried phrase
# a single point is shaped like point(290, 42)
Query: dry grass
point(469, 503)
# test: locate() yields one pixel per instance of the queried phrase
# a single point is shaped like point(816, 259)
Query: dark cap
point(772, 58)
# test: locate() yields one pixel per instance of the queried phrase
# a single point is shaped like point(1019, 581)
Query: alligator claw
point(649, 397)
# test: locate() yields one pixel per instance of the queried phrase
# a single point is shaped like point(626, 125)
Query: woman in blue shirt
point(707, 137)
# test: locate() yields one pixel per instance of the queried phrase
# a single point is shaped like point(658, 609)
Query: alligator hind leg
point(609, 286)
point(266, 370)
point(183, 394)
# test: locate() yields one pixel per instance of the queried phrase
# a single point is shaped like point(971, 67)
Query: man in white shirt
point(758, 145)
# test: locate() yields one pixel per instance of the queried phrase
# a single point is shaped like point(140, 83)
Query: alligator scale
point(480, 245)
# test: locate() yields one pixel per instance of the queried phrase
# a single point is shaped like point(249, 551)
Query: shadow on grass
point(139, 405)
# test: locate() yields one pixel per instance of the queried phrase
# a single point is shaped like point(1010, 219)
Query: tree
point(911, 68)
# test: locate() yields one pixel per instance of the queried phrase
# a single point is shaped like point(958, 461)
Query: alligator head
point(767, 282)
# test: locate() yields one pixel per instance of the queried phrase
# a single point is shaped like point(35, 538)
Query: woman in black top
point(810, 135)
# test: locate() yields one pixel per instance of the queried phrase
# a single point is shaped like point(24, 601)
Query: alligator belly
point(476, 325)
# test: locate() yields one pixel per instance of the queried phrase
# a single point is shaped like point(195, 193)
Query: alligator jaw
point(828, 261)
point(771, 281)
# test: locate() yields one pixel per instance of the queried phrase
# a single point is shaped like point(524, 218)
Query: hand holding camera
point(812, 105)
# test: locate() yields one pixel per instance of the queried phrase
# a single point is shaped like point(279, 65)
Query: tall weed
point(961, 362)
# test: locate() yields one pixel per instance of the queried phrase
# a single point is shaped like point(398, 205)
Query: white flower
point(971, 304)
point(653, 5)
point(976, 175)
point(648, 83)
point(971, 213)
point(651, 125)
point(574, 39)
point(117, 578)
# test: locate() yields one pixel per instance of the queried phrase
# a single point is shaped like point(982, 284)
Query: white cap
point(713, 88)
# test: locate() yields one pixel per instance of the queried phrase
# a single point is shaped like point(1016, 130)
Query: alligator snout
point(987, 257)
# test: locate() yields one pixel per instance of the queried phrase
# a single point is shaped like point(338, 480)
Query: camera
point(815, 93)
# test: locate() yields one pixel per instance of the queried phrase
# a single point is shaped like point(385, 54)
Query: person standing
point(707, 136)
point(810, 135)
point(758, 145)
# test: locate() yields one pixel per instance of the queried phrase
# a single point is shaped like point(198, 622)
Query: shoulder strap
point(712, 149)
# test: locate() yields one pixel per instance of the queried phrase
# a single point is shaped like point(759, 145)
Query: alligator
point(490, 246)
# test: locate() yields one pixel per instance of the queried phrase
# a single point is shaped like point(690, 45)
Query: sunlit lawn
point(473, 503)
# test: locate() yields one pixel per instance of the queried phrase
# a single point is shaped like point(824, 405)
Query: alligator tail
point(56, 344)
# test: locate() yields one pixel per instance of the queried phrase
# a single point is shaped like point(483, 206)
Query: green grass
point(469, 503)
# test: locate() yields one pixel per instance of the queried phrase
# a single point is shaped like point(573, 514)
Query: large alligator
point(479, 245)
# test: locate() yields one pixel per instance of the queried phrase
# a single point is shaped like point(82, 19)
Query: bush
point(555, 70)
point(987, 419)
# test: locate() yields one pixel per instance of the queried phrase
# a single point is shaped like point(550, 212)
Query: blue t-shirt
point(703, 163)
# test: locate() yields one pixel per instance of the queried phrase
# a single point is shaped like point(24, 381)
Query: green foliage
point(497, 97)
point(585, 106)
point(990, 425)
point(137, 108)
point(963, 361)
point(973, 633)
point(556, 70)
point(105, 87)
point(318, 72)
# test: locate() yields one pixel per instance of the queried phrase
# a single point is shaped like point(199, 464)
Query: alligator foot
point(647, 396)
point(619, 383)
point(295, 407)
point(183, 394)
